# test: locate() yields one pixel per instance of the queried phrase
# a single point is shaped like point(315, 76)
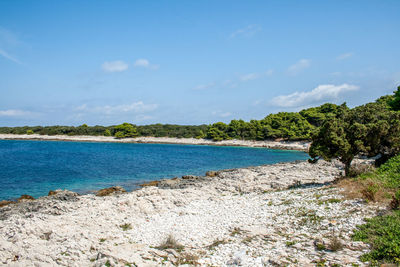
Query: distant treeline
point(283, 125)
point(301, 125)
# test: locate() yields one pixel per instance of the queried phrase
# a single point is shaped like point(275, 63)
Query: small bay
point(35, 167)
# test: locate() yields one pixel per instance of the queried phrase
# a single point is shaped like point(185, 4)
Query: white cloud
point(344, 56)
point(14, 113)
point(8, 40)
point(255, 75)
point(235, 82)
point(320, 93)
point(221, 114)
point(299, 66)
point(269, 72)
point(144, 63)
point(248, 31)
point(135, 108)
point(204, 86)
point(114, 66)
point(9, 57)
point(249, 77)
point(142, 117)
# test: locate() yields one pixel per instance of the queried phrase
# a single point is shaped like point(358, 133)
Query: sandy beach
point(273, 215)
point(289, 145)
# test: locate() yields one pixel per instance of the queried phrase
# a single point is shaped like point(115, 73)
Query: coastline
point(284, 145)
point(255, 216)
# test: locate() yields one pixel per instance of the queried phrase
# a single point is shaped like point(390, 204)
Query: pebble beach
point(287, 214)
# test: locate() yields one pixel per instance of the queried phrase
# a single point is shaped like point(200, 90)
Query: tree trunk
point(347, 165)
point(347, 169)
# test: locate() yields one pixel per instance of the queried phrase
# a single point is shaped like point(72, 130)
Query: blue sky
point(190, 62)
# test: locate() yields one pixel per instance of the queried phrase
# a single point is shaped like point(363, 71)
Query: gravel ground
point(285, 214)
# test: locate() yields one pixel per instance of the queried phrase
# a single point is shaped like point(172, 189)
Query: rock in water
point(25, 198)
point(152, 183)
point(110, 191)
point(5, 203)
point(212, 173)
point(189, 177)
point(63, 195)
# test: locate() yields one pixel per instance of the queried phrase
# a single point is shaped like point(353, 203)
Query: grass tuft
point(171, 243)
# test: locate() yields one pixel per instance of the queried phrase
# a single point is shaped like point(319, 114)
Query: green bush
point(29, 132)
point(119, 135)
point(388, 174)
point(383, 234)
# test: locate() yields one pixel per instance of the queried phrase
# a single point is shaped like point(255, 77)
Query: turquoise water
point(35, 167)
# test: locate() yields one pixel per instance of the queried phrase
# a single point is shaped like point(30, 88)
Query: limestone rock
point(5, 203)
point(110, 191)
point(212, 173)
point(25, 198)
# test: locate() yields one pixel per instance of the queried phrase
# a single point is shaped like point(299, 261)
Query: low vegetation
point(126, 226)
point(383, 234)
point(171, 243)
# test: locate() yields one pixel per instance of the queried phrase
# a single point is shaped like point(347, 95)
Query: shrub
point(395, 203)
point(119, 135)
point(359, 169)
point(171, 243)
point(335, 244)
point(370, 191)
point(126, 226)
point(383, 234)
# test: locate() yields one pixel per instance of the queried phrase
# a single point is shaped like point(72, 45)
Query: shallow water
point(35, 167)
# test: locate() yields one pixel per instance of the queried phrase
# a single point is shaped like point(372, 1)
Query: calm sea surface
point(35, 167)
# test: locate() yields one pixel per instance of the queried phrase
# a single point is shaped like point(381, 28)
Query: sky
point(191, 62)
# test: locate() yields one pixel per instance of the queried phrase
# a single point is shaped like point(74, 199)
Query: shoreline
point(254, 216)
point(284, 145)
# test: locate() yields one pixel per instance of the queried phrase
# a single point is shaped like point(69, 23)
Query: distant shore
point(286, 145)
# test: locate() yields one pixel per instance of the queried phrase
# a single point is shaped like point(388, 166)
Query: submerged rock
point(152, 183)
point(110, 191)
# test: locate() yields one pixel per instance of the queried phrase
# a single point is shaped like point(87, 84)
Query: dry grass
point(170, 243)
point(216, 243)
point(335, 244)
point(367, 189)
point(187, 258)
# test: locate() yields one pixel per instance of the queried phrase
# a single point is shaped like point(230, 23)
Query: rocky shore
point(287, 214)
point(289, 145)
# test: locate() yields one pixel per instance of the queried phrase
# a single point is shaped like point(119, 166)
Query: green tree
point(395, 102)
point(287, 125)
point(29, 132)
point(119, 135)
point(370, 129)
point(107, 132)
point(127, 129)
point(217, 132)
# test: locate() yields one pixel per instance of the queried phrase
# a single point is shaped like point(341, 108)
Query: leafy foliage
point(395, 102)
point(383, 233)
point(288, 125)
point(125, 130)
point(370, 129)
point(388, 174)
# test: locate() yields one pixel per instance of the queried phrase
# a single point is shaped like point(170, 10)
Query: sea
point(36, 167)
